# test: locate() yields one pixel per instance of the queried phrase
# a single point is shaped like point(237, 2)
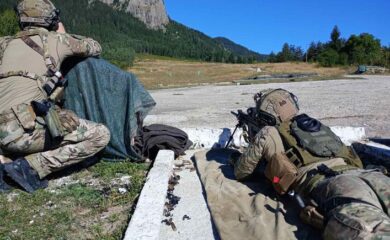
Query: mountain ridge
point(151, 12)
point(122, 35)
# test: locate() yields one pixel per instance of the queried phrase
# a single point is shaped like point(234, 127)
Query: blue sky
point(264, 25)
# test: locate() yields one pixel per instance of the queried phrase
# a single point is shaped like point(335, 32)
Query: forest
point(122, 35)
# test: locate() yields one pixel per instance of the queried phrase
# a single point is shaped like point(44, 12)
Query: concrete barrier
point(146, 220)
point(215, 138)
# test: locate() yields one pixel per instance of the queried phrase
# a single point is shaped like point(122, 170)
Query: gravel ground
point(356, 103)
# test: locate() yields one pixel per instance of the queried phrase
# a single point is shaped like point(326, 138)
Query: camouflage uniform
point(22, 75)
point(355, 203)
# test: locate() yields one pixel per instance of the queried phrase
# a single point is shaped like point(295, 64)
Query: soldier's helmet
point(280, 103)
point(40, 13)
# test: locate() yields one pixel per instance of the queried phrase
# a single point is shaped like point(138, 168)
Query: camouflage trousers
point(356, 205)
point(47, 156)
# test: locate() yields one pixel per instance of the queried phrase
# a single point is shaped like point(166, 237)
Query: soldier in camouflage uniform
point(29, 74)
point(341, 198)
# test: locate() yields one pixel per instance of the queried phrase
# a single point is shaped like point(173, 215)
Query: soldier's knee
point(356, 221)
point(104, 134)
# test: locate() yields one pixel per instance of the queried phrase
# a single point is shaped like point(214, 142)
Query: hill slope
point(239, 49)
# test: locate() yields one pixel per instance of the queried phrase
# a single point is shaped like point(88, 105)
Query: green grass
point(76, 211)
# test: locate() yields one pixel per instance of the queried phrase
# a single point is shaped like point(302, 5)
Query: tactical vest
point(304, 147)
point(46, 83)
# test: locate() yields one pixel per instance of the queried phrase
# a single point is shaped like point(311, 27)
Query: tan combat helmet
point(40, 13)
point(281, 104)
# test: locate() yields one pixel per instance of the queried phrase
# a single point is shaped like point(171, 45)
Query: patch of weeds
point(106, 169)
point(83, 196)
point(91, 208)
point(37, 216)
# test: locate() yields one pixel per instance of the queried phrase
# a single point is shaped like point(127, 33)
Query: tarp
point(101, 92)
point(247, 210)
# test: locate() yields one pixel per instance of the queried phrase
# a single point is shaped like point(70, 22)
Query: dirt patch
point(157, 73)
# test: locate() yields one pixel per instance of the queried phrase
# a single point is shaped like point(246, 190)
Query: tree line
point(362, 49)
point(122, 36)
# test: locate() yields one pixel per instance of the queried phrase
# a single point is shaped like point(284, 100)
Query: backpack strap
point(53, 76)
point(44, 52)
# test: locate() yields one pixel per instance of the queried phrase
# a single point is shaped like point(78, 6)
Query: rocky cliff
point(151, 12)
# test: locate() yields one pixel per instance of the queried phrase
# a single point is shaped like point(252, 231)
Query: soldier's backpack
point(307, 141)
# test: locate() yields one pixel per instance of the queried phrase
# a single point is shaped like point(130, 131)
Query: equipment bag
point(315, 137)
point(308, 141)
point(281, 172)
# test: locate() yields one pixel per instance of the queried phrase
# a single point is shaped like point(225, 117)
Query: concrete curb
point(210, 138)
point(146, 221)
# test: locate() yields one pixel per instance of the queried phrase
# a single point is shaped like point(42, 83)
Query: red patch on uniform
point(276, 179)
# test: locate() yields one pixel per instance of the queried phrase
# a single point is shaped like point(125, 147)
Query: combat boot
point(21, 172)
point(4, 187)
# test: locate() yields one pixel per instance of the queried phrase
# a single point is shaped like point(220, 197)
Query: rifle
point(251, 122)
point(54, 87)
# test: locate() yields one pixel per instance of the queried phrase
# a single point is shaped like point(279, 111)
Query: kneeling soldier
point(39, 136)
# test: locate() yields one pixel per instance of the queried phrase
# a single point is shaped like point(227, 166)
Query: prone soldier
point(40, 137)
point(307, 160)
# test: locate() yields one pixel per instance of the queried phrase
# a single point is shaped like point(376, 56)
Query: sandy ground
point(357, 103)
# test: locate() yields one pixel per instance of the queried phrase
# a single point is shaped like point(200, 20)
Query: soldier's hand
point(69, 120)
point(61, 28)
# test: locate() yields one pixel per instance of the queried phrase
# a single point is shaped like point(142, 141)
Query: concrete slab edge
point(146, 220)
point(217, 137)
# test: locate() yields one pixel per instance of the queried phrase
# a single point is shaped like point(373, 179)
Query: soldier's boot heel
point(4, 187)
point(21, 172)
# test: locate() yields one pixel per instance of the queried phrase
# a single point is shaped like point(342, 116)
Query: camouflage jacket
point(267, 143)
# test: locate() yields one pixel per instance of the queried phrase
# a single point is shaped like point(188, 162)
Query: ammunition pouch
point(15, 122)
point(47, 110)
point(281, 172)
point(25, 116)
